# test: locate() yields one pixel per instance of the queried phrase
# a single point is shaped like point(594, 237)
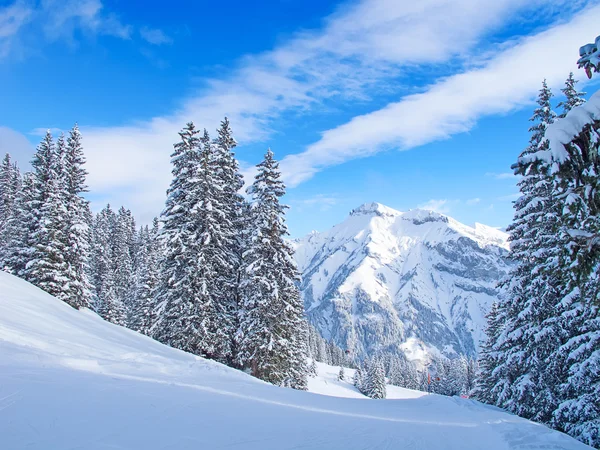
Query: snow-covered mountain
point(70, 380)
point(416, 281)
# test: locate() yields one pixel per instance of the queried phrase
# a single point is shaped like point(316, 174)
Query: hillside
point(417, 281)
point(69, 380)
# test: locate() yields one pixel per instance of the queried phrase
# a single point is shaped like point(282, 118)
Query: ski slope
point(69, 380)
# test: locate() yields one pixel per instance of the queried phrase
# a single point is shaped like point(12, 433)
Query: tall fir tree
point(77, 231)
point(19, 230)
point(107, 301)
point(373, 385)
point(574, 366)
point(489, 357)
point(144, 315)
point(573, 97)
point(48, 268)
point(272, 335)
point(233, 226)
point(530, 333)
point(196, 315)
point(10, 190)
point(122, 249)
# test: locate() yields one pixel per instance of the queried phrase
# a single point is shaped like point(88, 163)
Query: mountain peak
point(374, 208)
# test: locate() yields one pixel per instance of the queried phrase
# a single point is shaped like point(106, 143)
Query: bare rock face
point(416, 282)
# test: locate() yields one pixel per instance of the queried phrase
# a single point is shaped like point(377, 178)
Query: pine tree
point(488, 357)
point(145, 313)
point(179, 324)
point(77, 232)
point(359, 378)
point(122, 242)
point(341, 374)
point(195, 294)
point(530, 333)
point(19, 230)
point(573, 98)
point(233, 232)
point(313, 370)
point(374, 385)
point(107, 302)
point(48, 268)
point(10, 190)
point(272, 336)
point(573, 366)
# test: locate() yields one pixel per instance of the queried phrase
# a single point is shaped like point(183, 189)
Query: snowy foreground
point(69, 380)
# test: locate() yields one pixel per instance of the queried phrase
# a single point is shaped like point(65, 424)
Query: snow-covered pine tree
point(177, 296)
point(573, 366)
point(233, 234)
point(122, 245)
point(374, 385)
point(488, 357)
point(10, 188)
point(194, 293)
point(19, 230)
point(48, 268)
point(313, 370)
point(145, 312)
point(77, 232)
point(272, 336)
point(530, 333)
point(107, 302)
point(341, 374)
point(359, 377)
point(573, 98)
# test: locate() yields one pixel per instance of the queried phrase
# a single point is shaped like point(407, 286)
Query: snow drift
point(69, 380)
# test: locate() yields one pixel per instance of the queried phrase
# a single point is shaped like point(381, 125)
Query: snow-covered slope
point(69, 380)
point(326, 383)
point(417, 281)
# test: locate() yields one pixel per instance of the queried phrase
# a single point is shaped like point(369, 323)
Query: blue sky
point(411, 104)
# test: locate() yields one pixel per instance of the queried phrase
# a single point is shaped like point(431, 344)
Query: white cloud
point(361, 47)
point(17, 145)
point(440, 206)
point(155, 36)
point(62, 17)
point(321, 201)
point(52, 20)
point(12, 19)
point(473, 201)
point(452, 105)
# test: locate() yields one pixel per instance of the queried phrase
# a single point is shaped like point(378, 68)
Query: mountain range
point(416, 282)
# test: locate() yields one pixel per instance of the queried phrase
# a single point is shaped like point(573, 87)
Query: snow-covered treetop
point(564, 131)
point(590, 57)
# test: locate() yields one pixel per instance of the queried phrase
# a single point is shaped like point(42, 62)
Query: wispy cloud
point(473, 201)
point(53, 20)
point(17, 145)
point(453, 105)
point(63, 17)
point(438, 205)
point(360, 48)
point(12, 19)
point(323, 202)
point(155, 36)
